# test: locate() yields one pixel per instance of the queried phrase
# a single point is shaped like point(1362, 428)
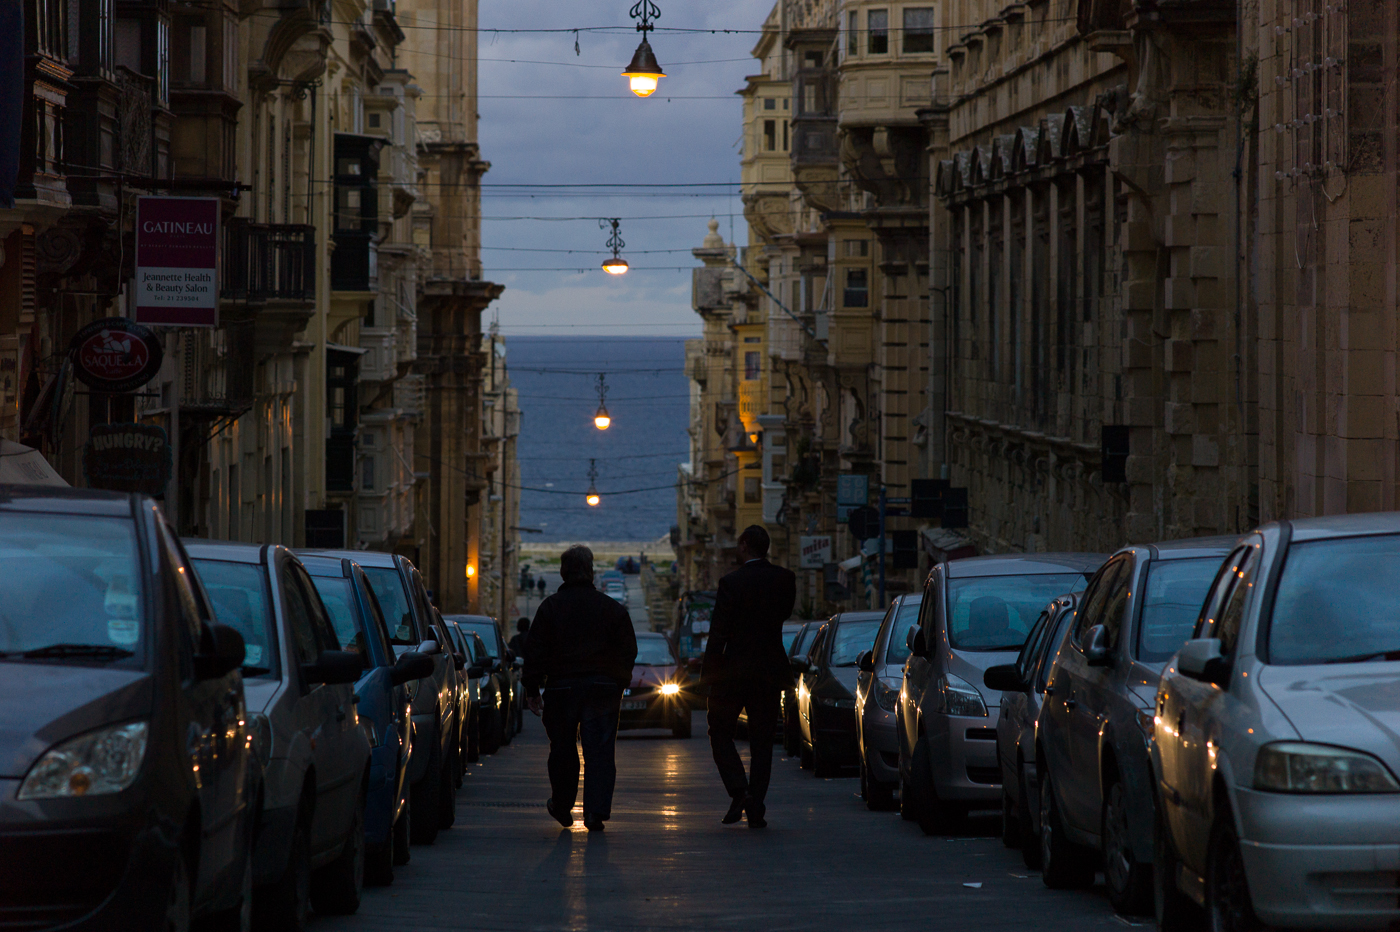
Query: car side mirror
point(224, 655)
point(1004, 678)
point(1200, 659)
point(801, 665)
point(916, 642)
point(461, 660)
point(411, 666)
point(333, 668)
point(476, 671)
point(1095, 648)
point(428, 647)
point(866, 662)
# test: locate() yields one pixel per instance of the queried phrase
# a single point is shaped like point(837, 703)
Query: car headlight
point(836, 703)
point(670, 689)
point(102, 761)
point(1299, 767)
point(260, 729)
point(886, 693)
point(954, 695)
point(371, 733)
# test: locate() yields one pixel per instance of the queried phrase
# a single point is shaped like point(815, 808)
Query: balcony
point(268, 262)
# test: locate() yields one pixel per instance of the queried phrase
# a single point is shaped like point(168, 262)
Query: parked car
point(826, 692)
point(976, 613)
point(311, 836)
point(407, 611)
point(878, 683)
point(462, 692)
point(1095, 788)
point(502, 667)
point(471, 670)
point(1275, 751)
point(490, 698)
point(1022, 685)
point(128, 787)
point(790, 631)
point(381, 703)
point(792, 732)
point(657, 697)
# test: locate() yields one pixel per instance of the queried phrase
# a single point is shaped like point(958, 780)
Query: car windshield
point(487, 632)
point(71, 588)
point(393, 601)
point(852, 638)
point(1171, 604)
point(238, 592)
point(340, 605)
point(1336, 602)
point(896, 650)
point(997, 612)
point(654, 652)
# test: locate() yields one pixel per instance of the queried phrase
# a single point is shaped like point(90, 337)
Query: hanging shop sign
point(177, 261)
point(816, 551)
point(128, 458)
point(115, 355)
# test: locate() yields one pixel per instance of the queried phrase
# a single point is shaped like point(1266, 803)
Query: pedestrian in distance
point(539, 584)
point(746, 668)
point(517, 643)
point(580, 651)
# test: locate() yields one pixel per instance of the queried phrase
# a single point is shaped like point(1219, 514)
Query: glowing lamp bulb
point(471, 571)
point(643, 85)
point(615, 266)
point(602, 422)
point(593, 499)
point(643, 72)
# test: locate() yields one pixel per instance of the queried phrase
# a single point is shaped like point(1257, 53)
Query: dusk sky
point(616, 138)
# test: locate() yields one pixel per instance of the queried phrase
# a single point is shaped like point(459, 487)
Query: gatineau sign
point(177, 261)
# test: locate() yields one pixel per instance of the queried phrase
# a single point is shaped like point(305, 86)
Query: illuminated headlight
point(886, 693)
point(371, 733)
point(1299, 767)
point(956, 696)
point(260, 730)
point(670, 689)
point(102, 761)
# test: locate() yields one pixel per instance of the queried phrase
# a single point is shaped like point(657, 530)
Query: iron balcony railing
point(269, 261)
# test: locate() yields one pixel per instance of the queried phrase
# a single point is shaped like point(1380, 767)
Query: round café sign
point(115, 355)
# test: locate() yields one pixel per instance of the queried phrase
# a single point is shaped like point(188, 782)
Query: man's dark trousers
point(582, 710)
point(762, 705)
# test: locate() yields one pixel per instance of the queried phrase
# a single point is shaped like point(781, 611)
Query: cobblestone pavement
point(665, 862)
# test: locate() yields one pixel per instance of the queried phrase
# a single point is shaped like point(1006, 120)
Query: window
point(785, 135)
point(990, 613)
point(1096, 597)
point(857, 248)
point(770, 103)
point(918, 29)
point(367, 474)
point(770, 135)
point(239, 594)
point(199, 37)
point(1171, 602)
point(1228, 627)
point(751, 492)
point(857, 293)
point(1336, 602)
point(812, 59)
point(374, 121)
point(878, 24)
point(303, 635)
point(751, 365)
point(852, 34)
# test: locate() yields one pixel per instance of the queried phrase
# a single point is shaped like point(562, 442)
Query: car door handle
point(1071, 704)
point(340, 714)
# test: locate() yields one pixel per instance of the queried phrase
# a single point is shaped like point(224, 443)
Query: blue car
point(382, 702)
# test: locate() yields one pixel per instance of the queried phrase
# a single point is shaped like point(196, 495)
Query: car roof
point(362, 557)
point(472, 619)
point(1024, 564)
point(842, 617)
point(68, 501)
point(793, 625)
point(1189, 547)
point(1376, 522)
point(227, 550)
point(318, 565)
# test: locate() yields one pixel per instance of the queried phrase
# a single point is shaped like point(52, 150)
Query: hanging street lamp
point(593, 498)
point(602, 420)
point(615, 265)
point(644, 72)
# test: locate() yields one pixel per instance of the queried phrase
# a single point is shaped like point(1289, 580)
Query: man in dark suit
point(747, 668)
point(580, 650)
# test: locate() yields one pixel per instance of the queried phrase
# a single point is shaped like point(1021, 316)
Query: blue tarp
point(11, 95)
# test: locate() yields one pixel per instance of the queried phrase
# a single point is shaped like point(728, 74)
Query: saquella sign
point(115, 355)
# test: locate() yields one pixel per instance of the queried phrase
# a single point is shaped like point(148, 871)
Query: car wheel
point(1063, 864)
point(1129, 883)
point(177, 903)
point(792, 740)
point(335, 888)
point(936, 817)
point(1030, 830)
point(447, 800)
point(1010, 824)
point(908, 799)
point(507, 725)
point(490, 733)
point(805, 756)
point(400, 839)
point(879, 795)
point(286, 904)
point(1229, 907)
point(425, 796)
point(681, 729)
point(474, 738)
point(1176, 912)
point(237, 918)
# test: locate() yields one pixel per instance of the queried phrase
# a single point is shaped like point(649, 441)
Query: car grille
point(987, 776)
point(981, 734)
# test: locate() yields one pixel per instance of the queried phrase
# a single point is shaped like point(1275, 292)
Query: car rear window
point(393, 600)
point(241, 600)
point(1336, 602)
point(987, 613)
point(897, 650)
point(71, 580)
point(1171, 604)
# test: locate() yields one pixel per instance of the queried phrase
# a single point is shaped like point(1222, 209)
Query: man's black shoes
point(736, 810)
point(756, 811)
point(592, 822)
point(565, 819)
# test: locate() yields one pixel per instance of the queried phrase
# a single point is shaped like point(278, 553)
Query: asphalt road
point(666, 863)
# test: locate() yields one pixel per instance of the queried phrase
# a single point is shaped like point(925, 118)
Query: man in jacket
point(747, 668)
point(580, 649)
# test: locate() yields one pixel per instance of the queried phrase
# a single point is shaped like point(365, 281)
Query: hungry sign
point(177, 253)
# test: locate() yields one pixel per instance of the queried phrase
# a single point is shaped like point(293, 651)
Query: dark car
point(791, 629)
point(472, 665)
point(502, 664)
point(128, 786)
point(657, 697)
point(877, 697)
point(486, 693)
point(381, 703)
point(404, 600)
point(826, 691)
point(976, 613)
point(801, 643)
point(311, 834)
point(1023, 690)
point(1093, 763)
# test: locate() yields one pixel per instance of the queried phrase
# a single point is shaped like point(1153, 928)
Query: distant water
point(640, 451)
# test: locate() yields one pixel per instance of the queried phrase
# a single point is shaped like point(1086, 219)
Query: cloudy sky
point(549, 116)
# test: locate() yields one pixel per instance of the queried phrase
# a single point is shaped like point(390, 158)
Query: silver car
point(877, 696)
point(1277, 736)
